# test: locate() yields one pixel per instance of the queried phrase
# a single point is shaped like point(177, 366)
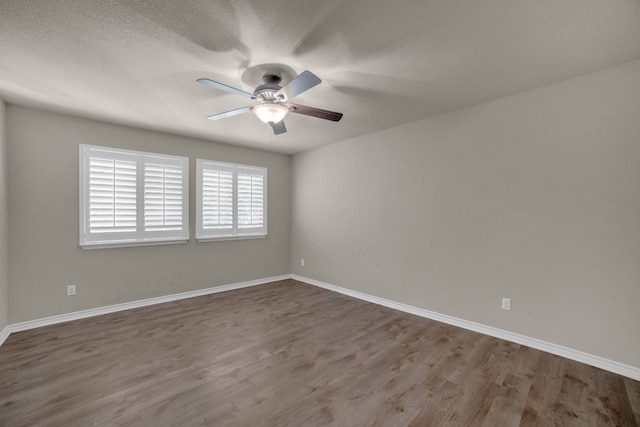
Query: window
point(231, 201)
point(130, 198)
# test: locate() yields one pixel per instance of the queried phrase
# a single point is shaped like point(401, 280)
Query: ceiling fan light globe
point(270, 113)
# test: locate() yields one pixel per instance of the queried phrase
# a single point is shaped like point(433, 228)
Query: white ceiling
point(383, 63)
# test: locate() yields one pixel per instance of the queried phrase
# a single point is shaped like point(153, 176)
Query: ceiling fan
point(274, 100)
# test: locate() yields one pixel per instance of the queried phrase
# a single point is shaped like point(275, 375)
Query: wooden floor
point(290, 354)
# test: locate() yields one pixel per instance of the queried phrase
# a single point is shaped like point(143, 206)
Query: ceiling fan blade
point(230, 113)
point(315, 112)
point(303, 82)
point(226, 88)
point(279, 127)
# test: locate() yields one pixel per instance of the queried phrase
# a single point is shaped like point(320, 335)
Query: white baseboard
point(569, 353)
point(579, 356)
point(23, 326)
point(4, 334)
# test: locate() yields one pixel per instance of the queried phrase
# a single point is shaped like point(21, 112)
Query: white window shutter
point(251, 197)
point(231, 200)
point(132, 198)
point(217, 199)
point(112, 195)
point(163, 197)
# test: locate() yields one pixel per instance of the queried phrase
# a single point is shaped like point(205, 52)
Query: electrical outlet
point(71, 290)
point(302, 262)
point(506, 303)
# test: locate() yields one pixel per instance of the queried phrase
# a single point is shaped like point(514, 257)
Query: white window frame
point(235, 231)
point(140, 235)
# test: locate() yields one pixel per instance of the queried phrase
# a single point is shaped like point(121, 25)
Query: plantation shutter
point(215, 214)
point(231, 200)
point(132, 198)
point(163, 197)
point(217, 199)
point(251, 216)
point(112, 195)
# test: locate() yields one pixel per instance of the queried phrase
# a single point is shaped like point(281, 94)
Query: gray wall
point(44, 256)
point(4, 238)
point(535, 197)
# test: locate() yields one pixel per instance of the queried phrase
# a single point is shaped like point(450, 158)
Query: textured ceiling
point(383, 63)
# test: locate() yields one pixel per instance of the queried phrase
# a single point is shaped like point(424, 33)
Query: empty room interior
point(304, 213)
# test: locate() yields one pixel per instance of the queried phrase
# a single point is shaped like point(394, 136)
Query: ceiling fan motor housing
point(266, 92)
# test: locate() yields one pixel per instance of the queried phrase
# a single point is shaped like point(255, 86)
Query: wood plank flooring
point(290, 354)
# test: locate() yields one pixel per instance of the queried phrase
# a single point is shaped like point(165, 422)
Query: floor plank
point(290, 354)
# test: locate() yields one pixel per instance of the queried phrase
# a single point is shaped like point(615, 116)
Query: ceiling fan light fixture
point(270, 113)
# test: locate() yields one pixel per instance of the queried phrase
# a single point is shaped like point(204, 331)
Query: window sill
point(223, 238)
point(125, 244)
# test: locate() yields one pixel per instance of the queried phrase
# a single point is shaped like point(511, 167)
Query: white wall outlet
point(302, 262)
point(71, 290)
point(506, 303)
